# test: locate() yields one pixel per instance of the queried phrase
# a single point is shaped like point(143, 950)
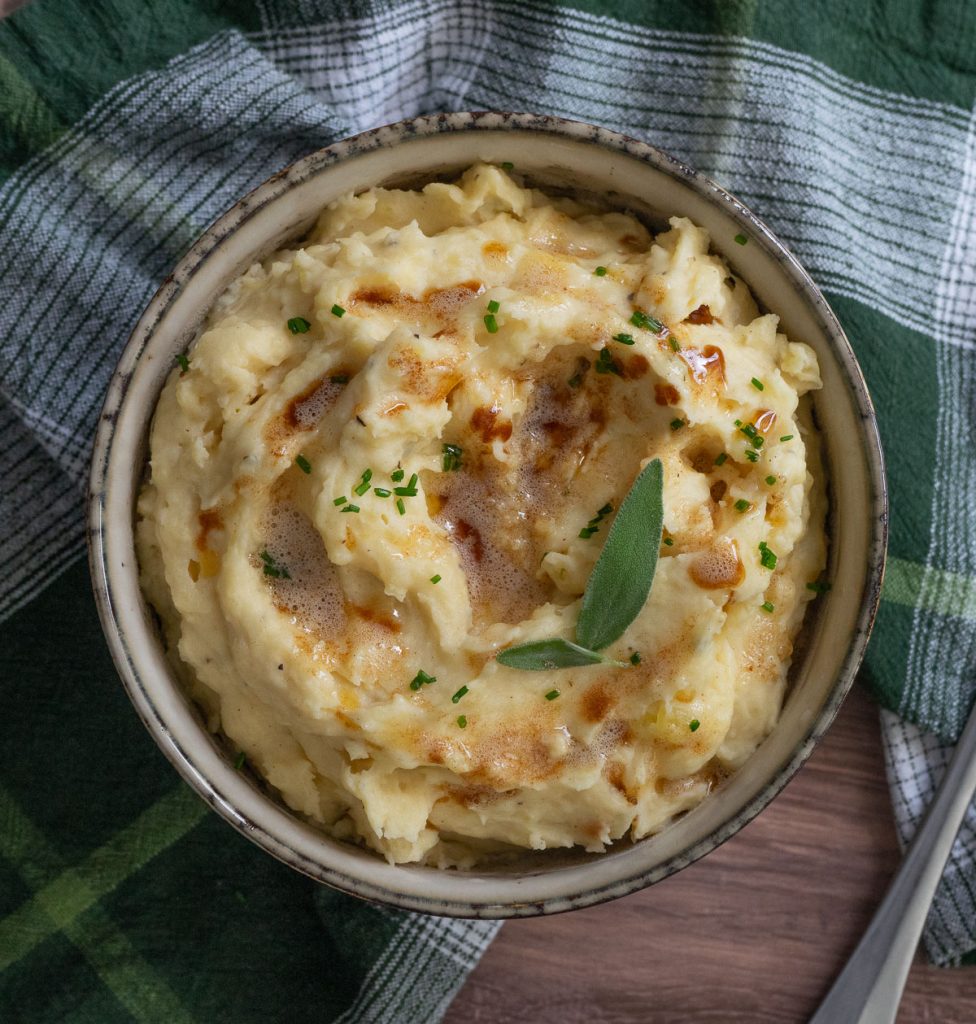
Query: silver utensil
point(869, 988)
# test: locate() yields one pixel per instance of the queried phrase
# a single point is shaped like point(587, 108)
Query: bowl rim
point(301, 170)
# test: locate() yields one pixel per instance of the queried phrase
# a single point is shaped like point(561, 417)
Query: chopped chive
point(435, 579)
point(338, 311)
point(677, 424)
point(401, 508)
point(397, 475)
point(182, 362)
point(742, 505)
point(721, 459)
point(552, 695)
point(491, 324)
point(668, 541)
point(381, 492)
point(298, 325)
point(462, 721)
point(508, 166)
point(361, 488)
point(787, 437)
point(605, 363)
point(339, 378)
point(452, 457)
point(239, 761)
point(649, 323)
point(635, 658)
point(741, 239)
point(340, 501)
point(758, 384)
point(272, 568)
point(770, 479)
point(587, 532)
point(457, 696)
point(752, 456)
point(767, 558)
point(624, 339)
point(818, 588)
point(767, 606)
point(673, 342)
point(421, 679)
point(493, 306)
point(600, 271)
point(694, 724)
point(605, 510)
point(738, 423)
point(350, 508)
point(412, 482)
point(303, 464)
point(405, 492)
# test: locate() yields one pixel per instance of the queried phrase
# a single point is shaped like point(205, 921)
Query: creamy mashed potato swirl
point(342, 634)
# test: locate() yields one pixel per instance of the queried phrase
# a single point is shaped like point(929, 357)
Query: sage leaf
point(622, 577)
point(542, 655)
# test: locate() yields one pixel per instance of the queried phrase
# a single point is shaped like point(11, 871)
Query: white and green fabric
point(127, 125)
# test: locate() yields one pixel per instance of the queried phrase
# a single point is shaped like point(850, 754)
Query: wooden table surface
point(753, 933)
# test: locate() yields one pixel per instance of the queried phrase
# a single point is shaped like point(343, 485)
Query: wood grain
point(754, 932)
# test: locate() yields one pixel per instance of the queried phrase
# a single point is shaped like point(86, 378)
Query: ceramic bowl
point(557, 154)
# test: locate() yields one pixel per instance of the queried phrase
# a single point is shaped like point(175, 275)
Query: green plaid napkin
point(127, 125)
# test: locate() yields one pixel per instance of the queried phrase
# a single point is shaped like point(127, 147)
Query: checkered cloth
point(127, 125)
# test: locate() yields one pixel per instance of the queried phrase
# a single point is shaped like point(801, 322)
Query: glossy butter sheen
point(300, 626)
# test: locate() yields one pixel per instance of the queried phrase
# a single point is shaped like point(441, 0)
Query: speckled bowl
point(559, 154)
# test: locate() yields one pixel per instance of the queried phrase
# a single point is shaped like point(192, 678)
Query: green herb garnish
point(340, 501)
point(350, 508)
point(617, 588)
point(401, 508)
point(673, 342)
point(818, 588)
point(338, 311)
point(182, 362)
point(457, 696)
point(721, 459)
point(272, 568)
point(594, 524)
point(552, 695)
point(240, 761)
point(452, 457)
point(742, 505)
point(768, 606)
point(363, 486)
point(491, 324)
point(493, 306)
point(758, 384)
point(600, 271)
point(668, 541)
point(767, 558)
point(462, 721)
point(694, 724)
point(303, 464)
point(787, 437)
point(605, 363)
point(421, 679)
point(752, 456)
point(508, 166)
point(635, 658)
point(435, 579)
point(770, 479)
point(299, 325)
point(649, 323)
point(625, 339)
point(382, 492)
point(741, 239)
point(397, 475)
point(677, 424)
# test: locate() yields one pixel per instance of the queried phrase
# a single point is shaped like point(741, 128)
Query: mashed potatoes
point(396, 450)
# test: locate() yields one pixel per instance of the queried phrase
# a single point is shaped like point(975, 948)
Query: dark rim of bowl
point(308, 167)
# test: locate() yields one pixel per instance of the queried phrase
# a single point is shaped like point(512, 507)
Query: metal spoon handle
point(869, 988)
